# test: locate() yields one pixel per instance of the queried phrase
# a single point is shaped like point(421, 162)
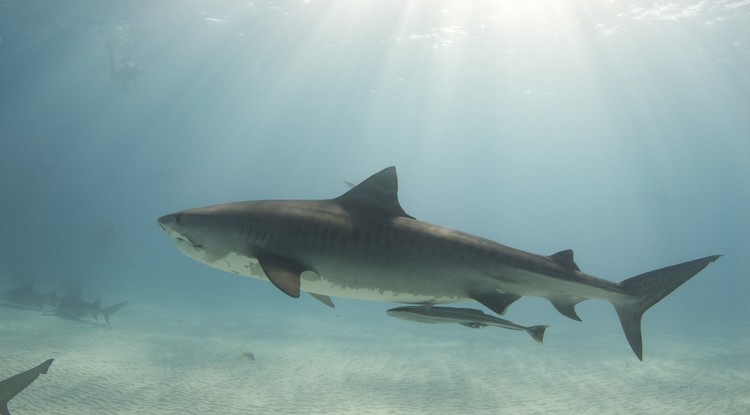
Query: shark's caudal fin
point(111, 309)
point(648, 289)
point(537, 333)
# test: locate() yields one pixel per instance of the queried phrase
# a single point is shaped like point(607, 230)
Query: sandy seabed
point(161, 359)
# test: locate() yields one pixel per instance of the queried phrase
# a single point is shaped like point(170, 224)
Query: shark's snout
point(170, 225)
point(166, 220)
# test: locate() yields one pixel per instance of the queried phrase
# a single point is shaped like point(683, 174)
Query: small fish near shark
point(73, 307)
point(468, 317)
point(12, 386)
point(363, 245)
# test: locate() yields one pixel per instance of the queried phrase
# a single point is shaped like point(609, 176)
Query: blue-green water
point(620, 130)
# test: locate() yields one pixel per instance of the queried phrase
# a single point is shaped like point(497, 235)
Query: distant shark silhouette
point(26, 296)
point(468, 317)
point(73, 307)
point(15, 384)
point(248, 355)
point(363, 245)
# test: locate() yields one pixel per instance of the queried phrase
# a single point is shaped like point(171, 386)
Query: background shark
point(74, 307)
point(13, 385)
point(26, 296)
point(363, 245)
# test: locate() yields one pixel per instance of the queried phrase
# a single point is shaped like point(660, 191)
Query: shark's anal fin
point(567, 306)
point(497, 302)
point(323, 299)
point(284, 273)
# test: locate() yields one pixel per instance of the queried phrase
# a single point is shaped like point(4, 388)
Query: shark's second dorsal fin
point(565, 259)
point(379, 191)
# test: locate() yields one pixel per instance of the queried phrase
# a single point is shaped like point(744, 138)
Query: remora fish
point(13, 385)
point(73, 307)
point(465, 316)
point(363, 245)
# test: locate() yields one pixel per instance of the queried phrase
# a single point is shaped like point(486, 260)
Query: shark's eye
point(177, 219)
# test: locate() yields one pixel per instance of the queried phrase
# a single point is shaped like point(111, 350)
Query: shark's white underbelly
point(435, 286)
point(319, 284)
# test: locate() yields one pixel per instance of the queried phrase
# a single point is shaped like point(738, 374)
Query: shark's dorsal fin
point(565, 259)
point(379, 191)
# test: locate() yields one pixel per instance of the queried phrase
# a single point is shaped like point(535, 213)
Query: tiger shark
point(12, 386)
point(363, 245)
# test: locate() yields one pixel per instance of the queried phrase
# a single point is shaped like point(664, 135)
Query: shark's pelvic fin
point(648, 289)
point(379, 191)
point(284, 273)
point(497, 302)
point(323, 299)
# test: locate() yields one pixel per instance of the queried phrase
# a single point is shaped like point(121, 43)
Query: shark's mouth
point(188, 248)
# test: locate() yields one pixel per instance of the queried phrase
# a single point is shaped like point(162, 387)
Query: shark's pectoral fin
point(567, 306)
point(283, 272)
point(323, 299)
point(497, 302)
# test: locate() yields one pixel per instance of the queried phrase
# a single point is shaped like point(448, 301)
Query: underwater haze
point(620, 130)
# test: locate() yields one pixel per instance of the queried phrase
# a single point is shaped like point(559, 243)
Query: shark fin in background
point(111, 309)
